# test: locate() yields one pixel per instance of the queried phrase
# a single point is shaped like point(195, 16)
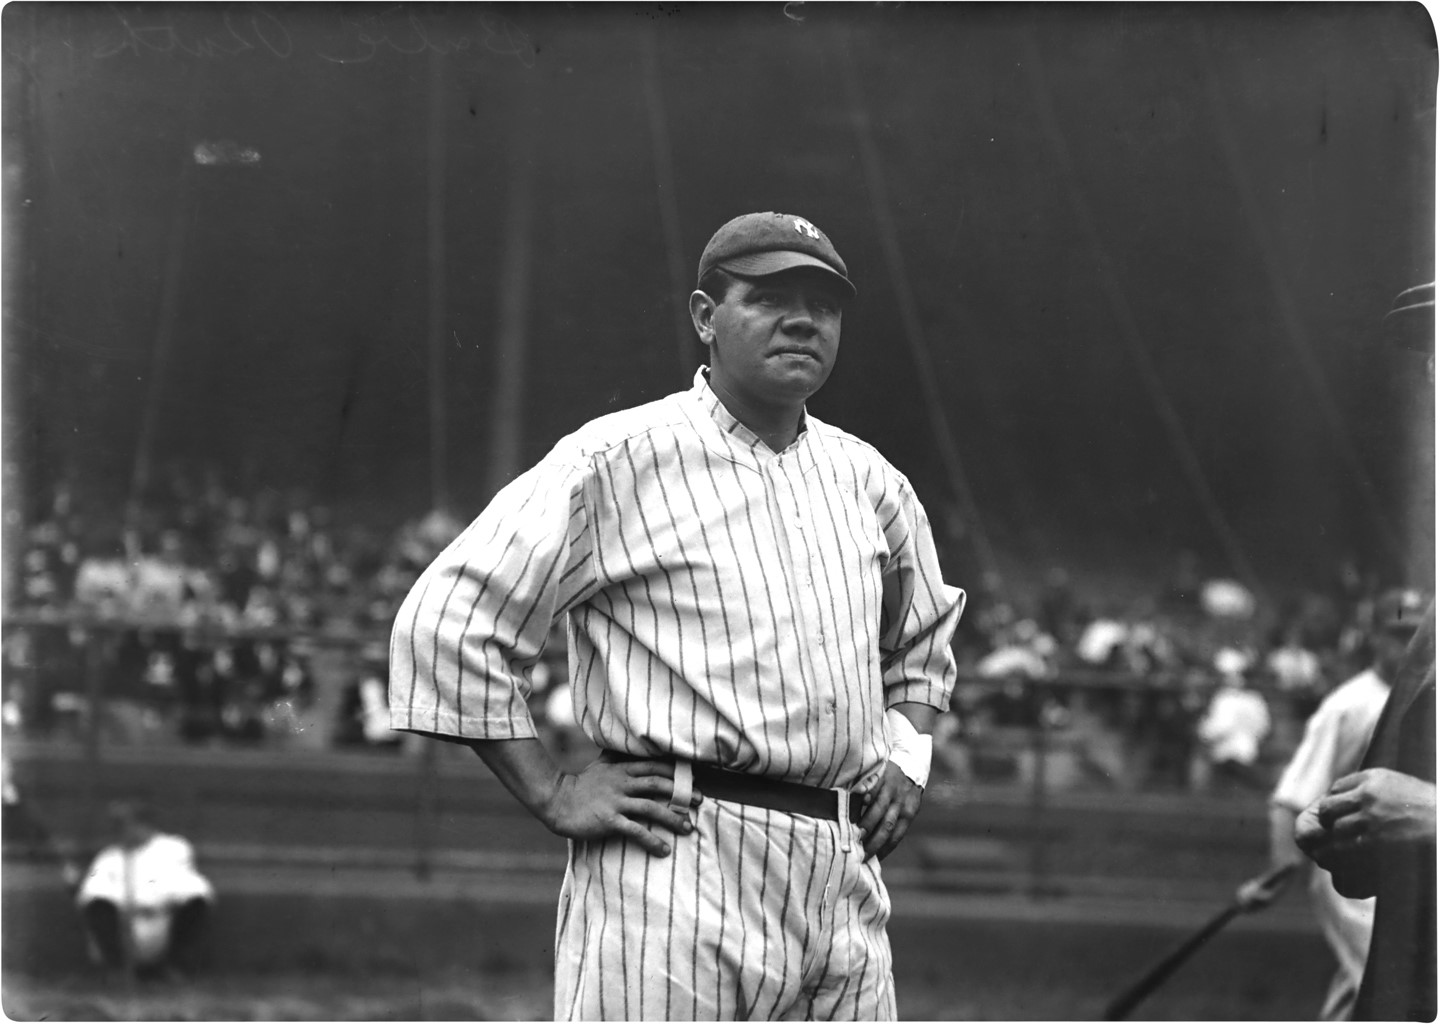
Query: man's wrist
point(910, 749)
point(547, 808)
point(528, 771)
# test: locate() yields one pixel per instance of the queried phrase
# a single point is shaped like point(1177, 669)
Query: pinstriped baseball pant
point(757, 914)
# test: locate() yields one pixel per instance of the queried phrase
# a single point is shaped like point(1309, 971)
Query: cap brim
point(762, 264)
point(1410, 323)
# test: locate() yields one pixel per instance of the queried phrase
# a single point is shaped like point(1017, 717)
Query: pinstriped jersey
point(727, 604)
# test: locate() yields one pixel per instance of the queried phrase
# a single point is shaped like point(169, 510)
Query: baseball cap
point(1400, 610)
point(1410, 323)
point(758, 244)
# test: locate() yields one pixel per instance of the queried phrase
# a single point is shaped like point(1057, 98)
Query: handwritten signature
point(352, 40)
point(369, 35)
point(259, 31)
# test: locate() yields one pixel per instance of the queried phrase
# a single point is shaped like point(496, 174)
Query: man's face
point(773, 339)
point(1389, 647)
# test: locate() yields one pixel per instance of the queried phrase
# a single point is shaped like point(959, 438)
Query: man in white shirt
point(143, 902)
point(1235, 724)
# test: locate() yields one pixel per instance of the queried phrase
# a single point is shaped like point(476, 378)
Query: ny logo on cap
point(806, 228)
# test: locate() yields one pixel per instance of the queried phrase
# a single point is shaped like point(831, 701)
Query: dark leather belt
point(759, 791)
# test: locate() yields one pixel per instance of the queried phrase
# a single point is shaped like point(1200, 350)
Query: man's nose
point(798, 320)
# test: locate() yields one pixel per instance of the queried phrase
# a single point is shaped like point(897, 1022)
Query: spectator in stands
point(1235, 724)
point(992, 613)
point(40, 584)
point(290, 687)
point(1171, 723)
point(365, 711)
point(198, 688)
point(1296, 681)
point(1101, 643)
point(144, 904)
point(160, 581)
point(103, 580)
point(1227, 599)
point(1293, 667)
point(1023, 650)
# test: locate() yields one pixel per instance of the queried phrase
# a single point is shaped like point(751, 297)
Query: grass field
point(509, 996)
point(323, 917)
point(282, 997)
point(1046, 988)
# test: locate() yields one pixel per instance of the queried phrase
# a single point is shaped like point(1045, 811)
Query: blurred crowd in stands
point(1202, 685)
point(197, 555)
point(223, 598)
point(230, 603)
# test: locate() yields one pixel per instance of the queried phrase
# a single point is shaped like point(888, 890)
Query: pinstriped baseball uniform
point(727, 605)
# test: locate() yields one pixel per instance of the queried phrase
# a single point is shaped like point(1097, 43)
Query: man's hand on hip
point(607, 798)
point(888, 808)
point(627, 798)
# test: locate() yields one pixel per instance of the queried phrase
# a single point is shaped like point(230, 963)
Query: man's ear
point(702, 315)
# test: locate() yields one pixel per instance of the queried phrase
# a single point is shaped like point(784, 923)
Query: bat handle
point(1277, 874)
point(1120, 1008)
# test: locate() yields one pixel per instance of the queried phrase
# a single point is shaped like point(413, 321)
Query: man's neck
point(777, 426)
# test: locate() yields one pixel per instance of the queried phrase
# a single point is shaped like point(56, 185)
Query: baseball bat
point(1152, 979)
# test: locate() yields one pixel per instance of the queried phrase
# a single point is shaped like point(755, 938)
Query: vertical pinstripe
point(772, 604)
point(812, 951)
point(728, 605)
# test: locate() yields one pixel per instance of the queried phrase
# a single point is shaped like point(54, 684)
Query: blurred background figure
point(1333, 745)
point(143, 903)
point(24, 831)
point(1235, 725)
point(365, 711)
point(1023, 650)
point(1227, 599)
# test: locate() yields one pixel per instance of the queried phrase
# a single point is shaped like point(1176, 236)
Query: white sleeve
point(1312, 768)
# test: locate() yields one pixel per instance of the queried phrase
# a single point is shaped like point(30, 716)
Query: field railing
point(422, 814)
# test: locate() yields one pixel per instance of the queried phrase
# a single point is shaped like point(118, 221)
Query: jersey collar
point(737, 433)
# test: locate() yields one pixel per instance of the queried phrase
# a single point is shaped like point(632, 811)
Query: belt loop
point(842, 802)
point(684, 788)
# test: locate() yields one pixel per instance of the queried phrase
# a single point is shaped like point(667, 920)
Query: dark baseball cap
point(1411, 321)
point(1400, 610)
point(759, 244)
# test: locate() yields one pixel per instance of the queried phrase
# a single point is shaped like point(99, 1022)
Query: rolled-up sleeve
point(920, 612)
point(473, 626)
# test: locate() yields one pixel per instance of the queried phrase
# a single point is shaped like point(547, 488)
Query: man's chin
point(798, 387)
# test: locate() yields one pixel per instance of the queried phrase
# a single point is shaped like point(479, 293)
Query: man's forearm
point(921, 716)
point(1283, 850)
point(633, 800)
point(526, 769)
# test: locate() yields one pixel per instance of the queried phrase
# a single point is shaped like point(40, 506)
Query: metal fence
point(265, 724)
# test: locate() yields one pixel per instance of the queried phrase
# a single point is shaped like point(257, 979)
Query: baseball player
point(1335, 739)
point(1374, 831)
point(759, 641)
point(144, 904)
